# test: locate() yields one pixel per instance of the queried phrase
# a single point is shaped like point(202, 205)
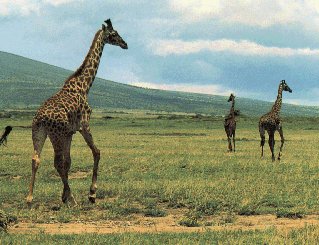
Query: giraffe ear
point(103, 27)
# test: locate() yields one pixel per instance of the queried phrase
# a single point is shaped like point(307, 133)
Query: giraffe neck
point(82, 79)
point(232, 108)
point(277, 106)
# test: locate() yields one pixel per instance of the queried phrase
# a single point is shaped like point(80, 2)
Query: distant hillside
point(25, 83)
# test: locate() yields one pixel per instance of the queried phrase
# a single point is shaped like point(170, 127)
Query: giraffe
point(271, 122)
point(230, 123)
point(68, 111)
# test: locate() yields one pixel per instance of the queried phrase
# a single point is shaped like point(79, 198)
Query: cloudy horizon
point(202, 46)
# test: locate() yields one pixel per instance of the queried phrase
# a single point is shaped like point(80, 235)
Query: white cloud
point(202, 89)
point(60, 2)
point(305, 102)
point(196, 9)
point(18, 7)
point(262, 13)
point(27, 7)
point(309, 97)
point(243, 47)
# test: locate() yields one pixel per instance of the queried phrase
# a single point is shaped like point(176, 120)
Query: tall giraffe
point(68, 111)
point(272, 122)
point(230, 123)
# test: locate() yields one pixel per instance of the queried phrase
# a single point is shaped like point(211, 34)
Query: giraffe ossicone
point(67, 112)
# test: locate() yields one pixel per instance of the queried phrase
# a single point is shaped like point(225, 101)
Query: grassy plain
point(155, 164)
point(307, 235)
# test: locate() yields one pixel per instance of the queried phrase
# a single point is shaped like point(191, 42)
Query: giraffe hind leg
point(39, 136)
point(234, 141)
point(262, 139)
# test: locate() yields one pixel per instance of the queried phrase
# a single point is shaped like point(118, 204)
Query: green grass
point(307, 235)
point(150, 166)
point(22, 78)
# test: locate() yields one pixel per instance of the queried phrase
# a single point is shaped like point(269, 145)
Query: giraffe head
point(285, 86)
point(231, 97)
point(111, 36)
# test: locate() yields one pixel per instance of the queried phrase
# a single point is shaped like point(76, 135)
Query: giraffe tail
point(5, 135)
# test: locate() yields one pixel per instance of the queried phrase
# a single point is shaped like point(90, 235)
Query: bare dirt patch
point(78, 175)
point(164, 224)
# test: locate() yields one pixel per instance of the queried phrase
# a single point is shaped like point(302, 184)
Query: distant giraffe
point(68, 111)
point(4, 137)
point(230, 123)
point(272, 122)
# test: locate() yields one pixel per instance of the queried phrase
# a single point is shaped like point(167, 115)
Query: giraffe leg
point(271, 143)
point(230, 148)
point(262, 139)
point(281, 133)
point(96, 155)
point(228, 133)
point(67, 195)
point(234, 140)
point(39, 136)
point(62, 163)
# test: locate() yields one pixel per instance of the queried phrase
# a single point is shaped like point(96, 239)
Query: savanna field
point(175, 166)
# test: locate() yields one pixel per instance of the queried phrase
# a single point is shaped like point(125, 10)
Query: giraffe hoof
point(29, 200)
point(92, 198)
point(64, 199)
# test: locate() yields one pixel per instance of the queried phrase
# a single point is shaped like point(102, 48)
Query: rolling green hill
point(25, 83)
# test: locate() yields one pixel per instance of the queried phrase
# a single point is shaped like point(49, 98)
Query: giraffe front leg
point(230, 148)
point(61, 166)
point(62, 163)
point(282, 141)
point(96, 156)
point(227, 130)
point(271, 143)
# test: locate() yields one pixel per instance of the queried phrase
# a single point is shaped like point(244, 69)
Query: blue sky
point(204, 46)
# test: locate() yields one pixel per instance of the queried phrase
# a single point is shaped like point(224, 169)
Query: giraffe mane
point(80, 69)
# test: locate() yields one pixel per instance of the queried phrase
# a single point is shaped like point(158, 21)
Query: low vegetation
point(307, 235)
point(152, 165)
